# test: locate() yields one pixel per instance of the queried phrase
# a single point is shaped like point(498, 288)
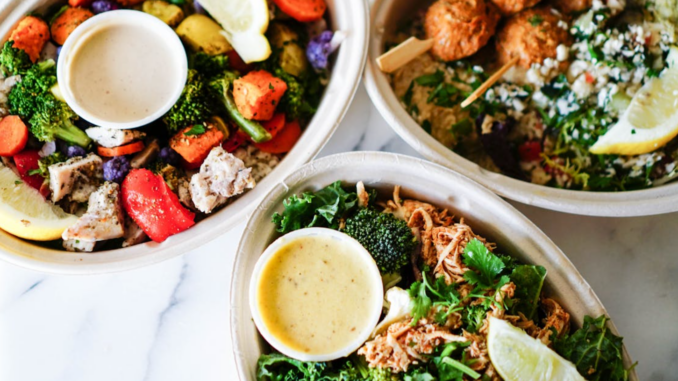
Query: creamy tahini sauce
point(121, 73)
point(315, 295)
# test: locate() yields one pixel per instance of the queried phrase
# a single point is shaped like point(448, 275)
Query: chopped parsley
point(535, 20)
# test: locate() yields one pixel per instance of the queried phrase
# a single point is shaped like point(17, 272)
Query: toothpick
point(490, 81)
point(403, 53)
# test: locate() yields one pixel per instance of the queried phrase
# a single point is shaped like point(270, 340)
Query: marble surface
point(170, 321)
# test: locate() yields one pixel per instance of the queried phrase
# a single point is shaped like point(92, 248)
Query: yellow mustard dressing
point(315, 295)
point(122, 73)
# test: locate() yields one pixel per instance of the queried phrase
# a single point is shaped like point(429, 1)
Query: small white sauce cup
point(372, 272)
point(166, 36)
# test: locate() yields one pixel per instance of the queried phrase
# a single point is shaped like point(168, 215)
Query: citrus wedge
point(519, 357)
point(650, 121)
point(244, 23)
point(24, 213)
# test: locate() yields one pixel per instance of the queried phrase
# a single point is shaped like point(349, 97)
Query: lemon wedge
point(244, 23)
point(24, 213)
point(650, 121)
point(519, 357)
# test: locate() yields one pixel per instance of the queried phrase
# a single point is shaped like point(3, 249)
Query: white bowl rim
point(350, 16)
point(562, 267)
point(122, 17)
point(659, 200)
point(373, 272)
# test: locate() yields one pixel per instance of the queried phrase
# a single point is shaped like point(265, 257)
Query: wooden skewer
point(403, 53)
point(490, 81)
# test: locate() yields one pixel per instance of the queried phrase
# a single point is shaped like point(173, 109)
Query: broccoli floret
point(302, 97)
point(13, 60)
point(45, 162)
point(209, 66)
point(54, 119)
point(221, 91)
point(388, 239)
point(171, 174)
point(194, 105)
point(34, 89)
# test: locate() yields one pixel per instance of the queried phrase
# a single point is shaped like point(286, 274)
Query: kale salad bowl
point(561, 129)
point(248, 103)
point(428, 229)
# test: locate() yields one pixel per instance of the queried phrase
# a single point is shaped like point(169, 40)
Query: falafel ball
point(510, 7)
point(572, 6)
point(460, 27)
point(533, 35)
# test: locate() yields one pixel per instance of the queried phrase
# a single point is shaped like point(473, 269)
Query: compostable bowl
point(386, 16)
point(350, 16)
point(488, 214)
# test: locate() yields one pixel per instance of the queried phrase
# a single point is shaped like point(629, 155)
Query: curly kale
point(13, 60)
point(194, 105)
point(277, 367)
point(34, 89)
point(388, 239)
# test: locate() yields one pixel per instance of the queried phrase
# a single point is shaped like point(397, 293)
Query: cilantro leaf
point(595, 351)
point(323, 208)
point(487, 265)
point(421, 303)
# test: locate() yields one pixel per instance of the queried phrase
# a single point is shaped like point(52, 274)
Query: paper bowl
point(350, 16)
point(386, 15)
point(488, 214)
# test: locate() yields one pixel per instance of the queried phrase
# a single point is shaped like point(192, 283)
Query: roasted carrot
point(67, 21)
point(275, 124)
point(79, 3)
point(30, 35)
point(127, 149)
point(257, 94)
point(13, 135)
point(284, 140)
point(302, 10)
point(195, 143)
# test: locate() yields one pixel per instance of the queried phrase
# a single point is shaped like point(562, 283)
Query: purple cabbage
point(497, 145)
point(319, 50)
point(116, 169)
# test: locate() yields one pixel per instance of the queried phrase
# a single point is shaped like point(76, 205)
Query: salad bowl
point(385, 16)
point(347, 66)
point(489, 215)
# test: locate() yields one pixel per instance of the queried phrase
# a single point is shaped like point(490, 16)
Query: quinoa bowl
point(345, 67)
point(390, 178)
point(431, 121)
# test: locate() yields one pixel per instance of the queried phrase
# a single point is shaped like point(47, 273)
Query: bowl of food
point(549, 103)
point(471, 287)
point(134, 131)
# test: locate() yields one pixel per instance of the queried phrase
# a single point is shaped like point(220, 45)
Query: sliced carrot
point(30, 35)
point(257, 94)
point(195, 148)
point(303, 10)
point(284, 140)
point(65, 24)
point(127, 149)
point(275, 124)
point(13, 135)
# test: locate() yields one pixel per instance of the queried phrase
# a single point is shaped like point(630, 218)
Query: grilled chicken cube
point(133, 234)
point(104, 218)
point(112, 137)
point(79, 246)
point(221, 176)
point(78, 177)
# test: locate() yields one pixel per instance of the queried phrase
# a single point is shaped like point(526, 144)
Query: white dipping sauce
point(123, 73)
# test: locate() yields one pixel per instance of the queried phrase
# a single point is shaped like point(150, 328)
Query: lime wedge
point(244, 23)
point(518, 357)
point(650, 121)
point(24, 213)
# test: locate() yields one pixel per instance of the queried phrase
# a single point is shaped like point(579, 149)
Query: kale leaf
point(529, 281)
point(595, 351)
point(323, 208)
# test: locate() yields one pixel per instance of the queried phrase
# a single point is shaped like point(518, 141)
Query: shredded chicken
point(449, 244)
point(556, 318)
point(403, 344)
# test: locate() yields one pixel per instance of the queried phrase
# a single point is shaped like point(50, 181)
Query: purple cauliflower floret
point(116, 169)
point(199, 8)
point(169, 156)
point(319, 50)
point(101, 6)
point(73, 151)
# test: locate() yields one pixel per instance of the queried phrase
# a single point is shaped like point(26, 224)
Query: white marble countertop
point(170, 321)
